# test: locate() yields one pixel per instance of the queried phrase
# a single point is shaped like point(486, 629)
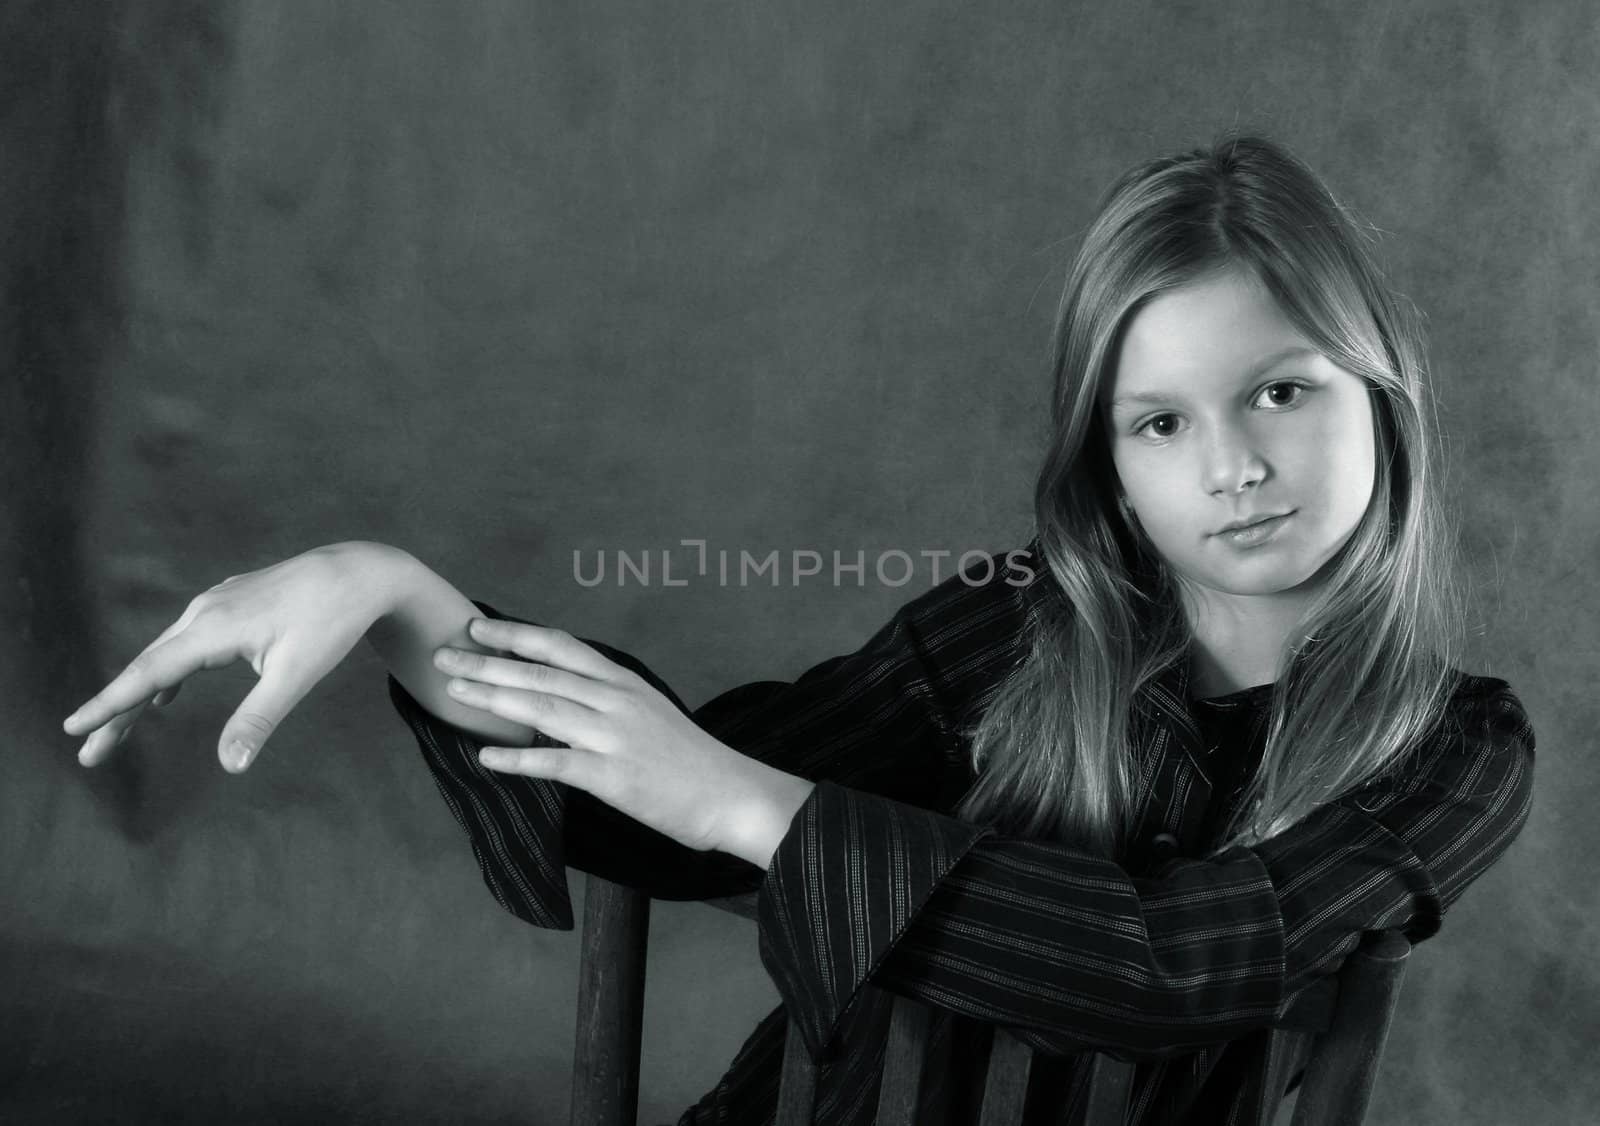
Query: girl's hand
point(293, 621)
point(628, 745)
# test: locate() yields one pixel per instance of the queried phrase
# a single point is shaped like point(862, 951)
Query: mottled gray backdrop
point(499, 281)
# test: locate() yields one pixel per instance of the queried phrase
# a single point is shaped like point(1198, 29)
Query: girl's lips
point(1252, 522)
point(1257, 532)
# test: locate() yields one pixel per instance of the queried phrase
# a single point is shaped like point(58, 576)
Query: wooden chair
point(1335, 1085)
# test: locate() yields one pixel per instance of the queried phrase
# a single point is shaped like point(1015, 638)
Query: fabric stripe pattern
point(1177, 963)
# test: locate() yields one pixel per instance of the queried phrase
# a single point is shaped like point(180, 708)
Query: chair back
point(1335, 1069)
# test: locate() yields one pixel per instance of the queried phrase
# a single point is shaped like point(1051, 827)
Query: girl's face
point(1250, 421)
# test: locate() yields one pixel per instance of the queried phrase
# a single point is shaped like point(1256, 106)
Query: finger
point(84, 718)
point(257, 717)
point(165, 696)
point(569, 765)
point(162, 665)
point(548, 646)
point(559, 718)
point(108, 737)
point(512, 672)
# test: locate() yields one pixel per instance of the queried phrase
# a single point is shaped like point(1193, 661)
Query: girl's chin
point(1244, 580)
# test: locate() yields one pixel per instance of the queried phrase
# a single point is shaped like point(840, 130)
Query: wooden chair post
point(1343, 1069)
point(903, 1056)
point(1110, 1085)
point(797, 1084)
point(605, 1073)
point(1005, 1088)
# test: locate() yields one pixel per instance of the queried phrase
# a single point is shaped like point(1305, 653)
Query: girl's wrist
point(761, 818)
point(412, 612)
point(379, 574)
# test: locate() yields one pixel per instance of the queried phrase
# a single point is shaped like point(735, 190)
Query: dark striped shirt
point(1175, 962)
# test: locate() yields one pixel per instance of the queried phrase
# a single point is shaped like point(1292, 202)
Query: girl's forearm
point(423, 612)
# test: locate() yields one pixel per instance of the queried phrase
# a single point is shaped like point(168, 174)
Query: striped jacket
point(1175, 962)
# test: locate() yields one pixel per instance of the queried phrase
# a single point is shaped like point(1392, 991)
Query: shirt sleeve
point(1071, 952)
point(525, 831)
point(879, 719)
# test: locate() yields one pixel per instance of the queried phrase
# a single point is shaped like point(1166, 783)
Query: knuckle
point(206, 602)
point(203, 608)
point(256, 724)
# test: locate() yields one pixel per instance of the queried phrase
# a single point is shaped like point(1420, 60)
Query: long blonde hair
point(1370, 668)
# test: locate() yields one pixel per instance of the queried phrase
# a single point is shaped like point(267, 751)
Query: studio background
point(498, 282)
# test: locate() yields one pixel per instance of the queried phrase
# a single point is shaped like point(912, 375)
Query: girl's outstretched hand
point(293, 622)
point(628, 745)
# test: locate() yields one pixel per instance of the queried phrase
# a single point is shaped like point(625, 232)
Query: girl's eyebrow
point(1261, 366)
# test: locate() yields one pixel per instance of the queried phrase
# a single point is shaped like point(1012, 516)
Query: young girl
point(1132, 788)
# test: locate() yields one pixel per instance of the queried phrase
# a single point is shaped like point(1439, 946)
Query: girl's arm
point(1071, 952)
point(880, 719)
point(525, 831)
point(426, 612)
point(873, 880)
point(293, 622)
point(1067, 949)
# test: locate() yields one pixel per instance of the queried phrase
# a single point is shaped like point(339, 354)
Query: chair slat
point(1338, 1083)
point(903, 1056)
point(1005, 1088)
point(797, 1085)
point(605, 1074)
point(1110, 1084)
point(1285, 1049)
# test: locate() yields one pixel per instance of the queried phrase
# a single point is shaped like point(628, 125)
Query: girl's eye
point(1286, 385)
point(1158, 418)
point(1290, 387)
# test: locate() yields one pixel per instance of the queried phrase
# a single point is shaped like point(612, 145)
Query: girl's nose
point(1232, 461)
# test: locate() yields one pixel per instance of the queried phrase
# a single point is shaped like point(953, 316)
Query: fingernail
point(240, 753)
point(457, 687)
point(478, 625)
